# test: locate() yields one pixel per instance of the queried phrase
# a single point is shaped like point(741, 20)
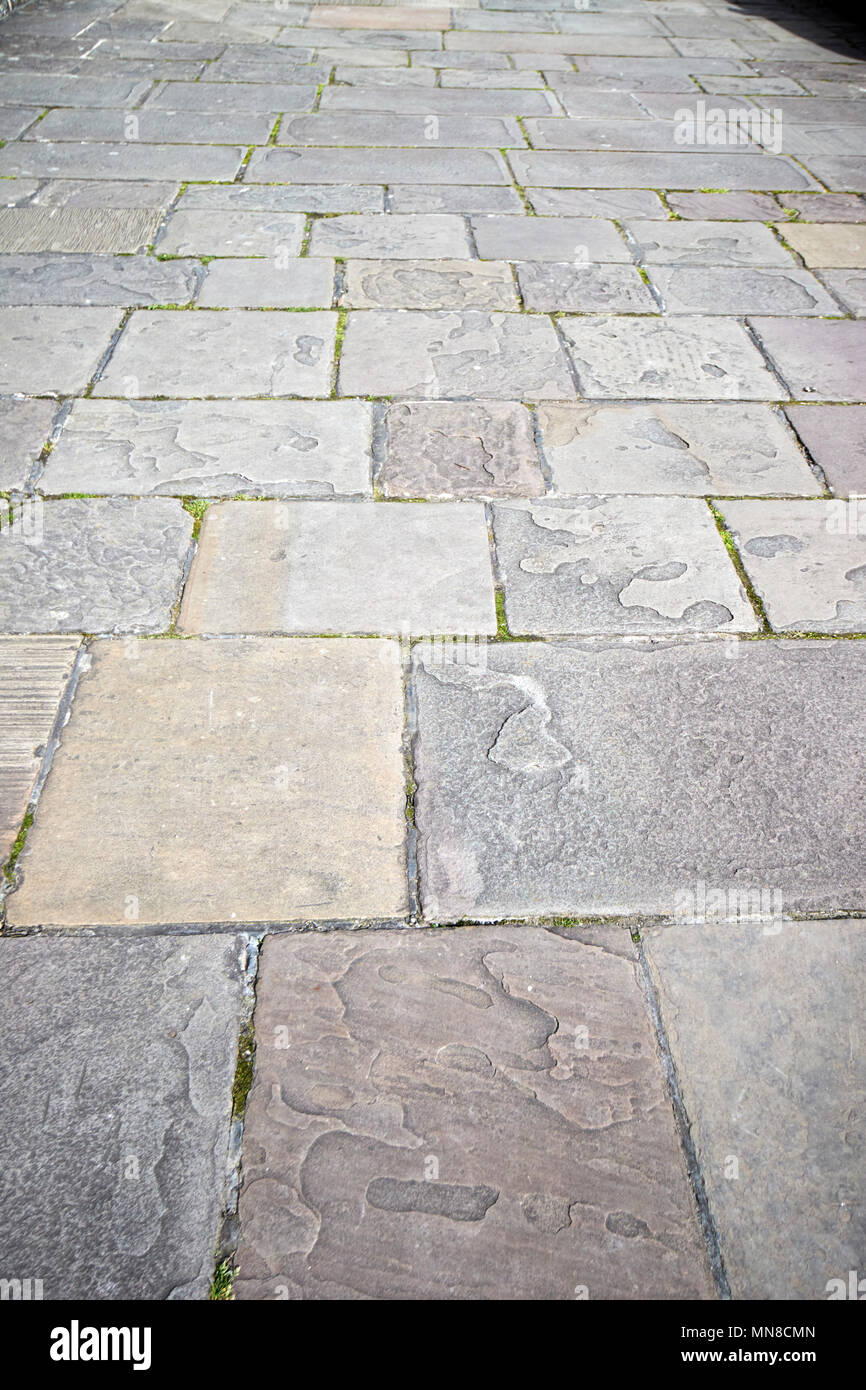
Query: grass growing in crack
point(221, 1284)
point(502, 632)
point(744, 579)
point(243, 1071)
point(196, 506)
point(17, 847)
point(411, 789)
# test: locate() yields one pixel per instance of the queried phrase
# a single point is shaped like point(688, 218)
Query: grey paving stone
point(213, 353)
point(807, 561)
point(24, 428)
point(15, 119)
point(600, 564)
point(529, 1194)
point(548, 239)
point(462, 198)
point(721, 207)
point(292, 198)
point(17, 192)
point(701, 289)
point(94, 566)
point(83, 279)
point(341, 567)
point(659, 448)
point(270, 282)
point(595, 202)
point(453, 101)
point(232, 97)
point(76, 229)
point(213, 448)
point(120, 161)
point(108, 193)
point(827, 207)
point(827, 243)
point(33, 677)
point(155, 127)
point(207, 730)
point(817, 356)
point(389, 352)
point(583, 44)
point(685, 359)
point(361, 77)
point(375, 166)
point(472, 62)
point(849, 288)
point(539, 774)
point(369, 129)
point(622, 169)
point(588, 106)
point(760, 82)
point(511, 79)
point(835, 436)
point(840, 173)
point(447, 449)
point(231, 233)
point(48, 89)
point(629, 134)
point(707, 243)
point(586, 289)
point(413, 236)
point(126, 1050)
point(44, 350)
point(768, 1081)
point(443, 284)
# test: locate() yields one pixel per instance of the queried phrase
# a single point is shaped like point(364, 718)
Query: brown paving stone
point(835, 436)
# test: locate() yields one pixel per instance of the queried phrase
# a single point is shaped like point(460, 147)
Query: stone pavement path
point(432, 687)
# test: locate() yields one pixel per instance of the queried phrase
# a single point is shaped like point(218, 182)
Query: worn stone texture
point(626, 169)
point(468, 99)
point(45, 350)
point(835, 436)
point(233, 96)
point(368, 129)
point(707, 243)
point(252, 197)
point(737, 290)
point(126, 160)
point(447, 449)
point(414, 236)
point(226, 811)
point(330, 165)
point(716, 207)
point(24, 429)
point(578, 239)
point(539, 773)
point(466, 198)
point(213, 448)
point(727, 448)
point(598, 564)
point(817, 357)
point(395, 1150)
point(154, 126)
point(341, 567)
point(849, 287)
point(34, 672)
point(828, 207)
point(106, 193)
point(269, 283)
point(231, 233)
point(807, 561)
point(828, 243)
point(429, 284)
point(547, 286)
point(93, 566)
point(773, 1078)
point(76, 229)
point(119, 1058)
point(596, 202)
point(127, 281)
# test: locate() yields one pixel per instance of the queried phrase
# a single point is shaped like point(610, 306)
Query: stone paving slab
point(51, 349)
point(828, 207)
point(126, 281)
point(405, 354)
point(540, 773)
point(707, 244)
point(772, 1080)
point(213, 353)
point(817, 356)
point(34, 672)
point(231, 233)
point(715, 207)
point(371, 129)
point(585, 289)
point(213, 449)
point(106, 193)
point(328, 165)
point(24, 429)
point(395, 1151)
point(93, 566)
point(48, 89)
point(232, 96)
point(464, 198)
point(835, 436)
point(619, 169)
point(429, 284)
point(155, 127)
point(828, 244)
point(120, 161)
point(549, 239)
point(15, 119)
point(76, 229)
point(226, 812)
point(807, 560)
point(454, 101)
point(598, 564)
point(849, 287)
point(269, 283)
point(289, 198)
point(596, 202)
point(120, 1057)
point(414, 236)
point(447, 449)
point(736, 290)
point(341, 567)
point(673, 448)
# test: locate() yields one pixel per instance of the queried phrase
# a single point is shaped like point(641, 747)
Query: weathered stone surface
point(209, 353)
point(270, 282)
point(369, 129)
point(464, 198)
point(395, 1151)
point(623, 169)
point(76, 229)
point(213, 448)
point(15, 119)
point(548, 239)
point(50, 89)
point(404, 101)
point(156, 127)
point(390, 352)
point(43, 350)
point(105, 193)
point(34, 672)
point(341, 567)
point(539, 774)
point(126, 160)
point(368, 17)
point(690, 359)
point(317, 197)
point(835, 436)
point(375, 166)
point(120, 1057)
point(659, 448)
point(704, 289)
point(774, 1080)
point(594, 134)
point(235, 233)
point(585, 289)
point(361, 77)
point(24, 429)
point(599, 564)
point(707, 243)
point(828, 243)
point(233, 96)
point(411, 237)
point(445, 449)
point(51, 278)
point(849, 287)
point(719, 207)
point(817, 357)
point(93, 566)
point(227, 809)
point(827, 207)
point(439, 284)
point(807, 560)
point(596, 202)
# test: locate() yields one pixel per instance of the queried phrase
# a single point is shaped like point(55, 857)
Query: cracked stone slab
point(445, 355)
point(624, 169)
point(807, 561)
point(598, 564)
point(434, 284)
point(76, 229)
point(446, 449)
point(658, 448)
point(586, 289)
point(231, 233)
point(835, 436)
point(127, 281)
point(331, 165)
point(213, 353)
point(395, 1151)
point(317, 197)
point(369, 17)
point(690, 359)
point(126, 160)
point(708, 244)
point(368, 129)
point(226, 812)
point(34, 672)
point(269, 283)
point(736, 290)
point(125, 1051)
point(539, 773)
point(548, 239)
point(24, 430)
point(828, 243)
point(817, 357)
point(774, 1081)
point(87, 565)
point(413, 236)
point(849, 286)
point(341, 567)
point(52, 349)
point(213, 448)
point(233, 97)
